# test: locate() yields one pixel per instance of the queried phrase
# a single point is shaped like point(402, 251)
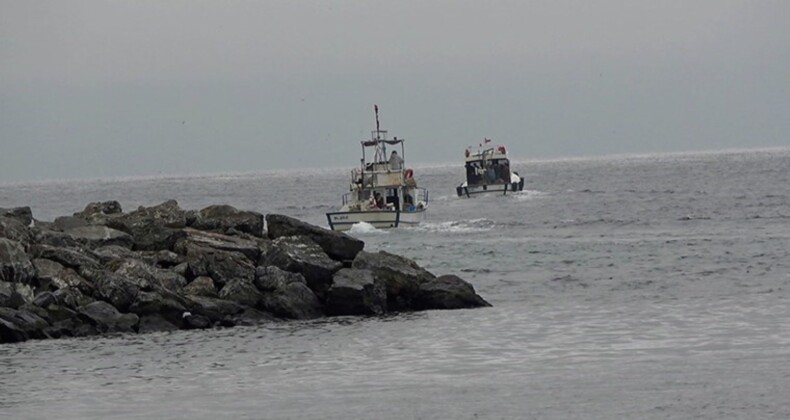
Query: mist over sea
point(624, 287)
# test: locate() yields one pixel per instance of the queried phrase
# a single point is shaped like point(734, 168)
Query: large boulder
point(402, 276)
point(95, 236)
point(22, 214)
point(356, 292)
point(201, 286)
point(116, 289)
point(106, 318)
point(14, 295)
point(218, 241)
point(286, 294)
point(15, 265)
point(15, 230)
point(11, 333)
point(299, 254)
point(224, 218)
point(214, 309)
point(337, 245)
point(152, 303)
point(70, 257)
point(447, 292)
point(51, 275)
point(241, 291)
point(153, 228)
point(221, 266)
point(71, 297)
point(31, 324)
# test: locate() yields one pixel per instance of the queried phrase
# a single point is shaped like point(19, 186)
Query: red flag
point(488, 140)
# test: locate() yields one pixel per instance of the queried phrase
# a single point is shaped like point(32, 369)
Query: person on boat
point(377, 201)
point(408, 202)
point(396, 162)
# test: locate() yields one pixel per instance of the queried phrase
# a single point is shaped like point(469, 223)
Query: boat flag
point(487, 140)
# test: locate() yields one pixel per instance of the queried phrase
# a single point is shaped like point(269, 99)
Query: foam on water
point(365, 228)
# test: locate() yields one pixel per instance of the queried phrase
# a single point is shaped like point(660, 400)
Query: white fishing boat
point(383, 192)
point(488, 172)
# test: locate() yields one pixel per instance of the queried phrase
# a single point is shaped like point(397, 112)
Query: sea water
point(622, 287)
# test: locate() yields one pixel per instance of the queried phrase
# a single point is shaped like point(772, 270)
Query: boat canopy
point(375, 142)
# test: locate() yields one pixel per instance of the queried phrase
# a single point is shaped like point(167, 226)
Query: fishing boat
point(488, 172)
point(382, 192)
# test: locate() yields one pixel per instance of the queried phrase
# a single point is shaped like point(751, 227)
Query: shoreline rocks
point(162, 268)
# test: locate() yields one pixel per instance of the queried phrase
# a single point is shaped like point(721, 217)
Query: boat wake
point(527, 195)
point(364, 228)
point(458, 226)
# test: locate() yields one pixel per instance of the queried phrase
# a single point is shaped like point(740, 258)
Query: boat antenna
point(378, 132)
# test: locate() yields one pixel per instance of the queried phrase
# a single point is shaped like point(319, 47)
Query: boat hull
point(464, 190)
point(380, 219)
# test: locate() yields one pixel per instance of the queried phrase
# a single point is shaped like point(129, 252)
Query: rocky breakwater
point(163, 268)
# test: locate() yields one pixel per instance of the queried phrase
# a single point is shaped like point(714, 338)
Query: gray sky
point(117, 88)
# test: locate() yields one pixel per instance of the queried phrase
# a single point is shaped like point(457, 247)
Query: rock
point(15, 266)
point(154, 323)
point(15, 230)
point(195, 322)
point(62, 223)
point(108, 253)
point(170, 280)
point(337, 245)
point(70, 257)
point(22, 214)
point(11, 333)
point(224, 218)
point(241, 291)
point(201, 286)
point(32, 324)
point(95, 236)
point(58, 313)
point(401, 276)
point(106, 318)
point(118, 290)
point(153, 228)
point(221, 266)
point(221, 242)
point(299, 254)
point(447, 292)
point(286, 294)
point(43, 299)
point(356, 292)
point(56, 238)
point(152, 303)
point(51, 275)
point(217, 310)
point(98, 212)
point(14, 295)
point(71, 297)
point(162, 259)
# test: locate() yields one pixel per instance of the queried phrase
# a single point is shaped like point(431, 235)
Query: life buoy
point(408, 173)
point(502, 150)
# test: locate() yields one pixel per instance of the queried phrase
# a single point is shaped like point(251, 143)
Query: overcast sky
point(117, 88)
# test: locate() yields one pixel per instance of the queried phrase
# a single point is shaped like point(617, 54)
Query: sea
point(623, 287)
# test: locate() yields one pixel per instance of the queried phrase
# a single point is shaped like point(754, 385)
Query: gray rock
point(22, 214)
point(109, 253)
point(337, 245)
point(15, 266)
point(401, 276)
point(98, 212)
point(32, 324)
point(95, 236)
point(201, 286)
point(299, 254)
point(241, 291)
point(162, 259)
point(56, 238)
point(71, 297)
point(153, 228)
point(154, 323)
point(217, 310)
point(58, 313)
point(14, 295)
point(14, 230)
point(286, 294)
point(356, 292)
point(447, 292)
point(221, 242)
point(62, 223)
point(197, 322)
point(152, 303)
point(118, 290)
point(224, 218)
point(70, 257)
point(51, 275)
point(106, 318)
point(11, 333)
point(221, 266)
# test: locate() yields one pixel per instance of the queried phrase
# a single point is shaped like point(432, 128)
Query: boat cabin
point(487, 167)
